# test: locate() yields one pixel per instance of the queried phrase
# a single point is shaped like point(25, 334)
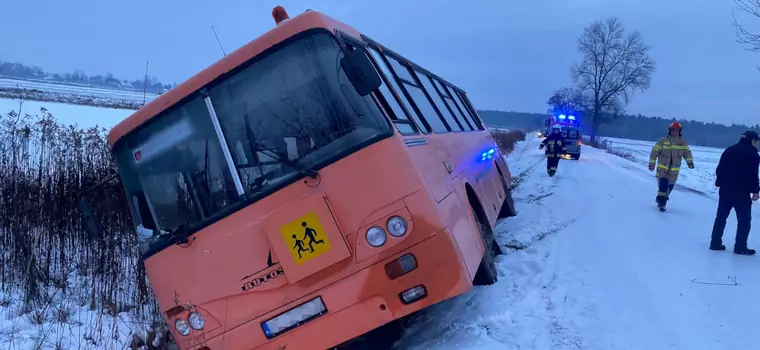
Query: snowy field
point(594, 265)
point(71, 89)
point(84, 116)
point(701, 178)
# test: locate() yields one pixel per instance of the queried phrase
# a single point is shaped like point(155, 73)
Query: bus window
point(177, 168)
point(426, 110)
point(450, 118)
point(467, 109)
point(454, 106)
point(397, 113)
point(379, 58)
point(294, 99)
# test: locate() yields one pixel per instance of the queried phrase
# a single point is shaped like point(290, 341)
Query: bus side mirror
point(360, 71)
point(88, 220)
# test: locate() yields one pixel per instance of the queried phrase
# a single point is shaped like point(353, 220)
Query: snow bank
point(84, 116)
point(67, 321)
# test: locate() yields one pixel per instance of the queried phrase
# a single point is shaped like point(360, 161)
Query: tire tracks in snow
point(531, 307)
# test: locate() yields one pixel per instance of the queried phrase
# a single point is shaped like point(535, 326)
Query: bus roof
point(302, 22)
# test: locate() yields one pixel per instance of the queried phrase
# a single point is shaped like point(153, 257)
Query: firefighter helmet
point(675, 126)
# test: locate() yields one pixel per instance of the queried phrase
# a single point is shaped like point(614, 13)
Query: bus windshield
point(290, 110)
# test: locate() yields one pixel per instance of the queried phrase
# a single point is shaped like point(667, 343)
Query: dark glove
point(541, 146)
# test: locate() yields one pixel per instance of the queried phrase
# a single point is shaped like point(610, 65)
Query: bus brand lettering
point(263, 279)
point(305, 238)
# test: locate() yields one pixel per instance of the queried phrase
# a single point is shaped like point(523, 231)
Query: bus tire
point(381, 338)
point(487, 273)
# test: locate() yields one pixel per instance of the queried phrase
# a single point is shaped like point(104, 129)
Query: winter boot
point(551, 173)
point(717, 247)
point(744, 251)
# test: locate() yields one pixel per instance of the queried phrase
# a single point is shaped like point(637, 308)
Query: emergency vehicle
point(569, 125)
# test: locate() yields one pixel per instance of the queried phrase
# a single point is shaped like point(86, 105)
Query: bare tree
point(567, 101)
point(743, 35)
point(613, 66)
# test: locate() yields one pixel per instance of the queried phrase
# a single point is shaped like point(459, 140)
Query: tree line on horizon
point(636, 127)
point(16, 70)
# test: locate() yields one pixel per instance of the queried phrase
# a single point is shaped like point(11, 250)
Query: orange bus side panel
point(429, 159)
point(306, 238)
point(456, 212)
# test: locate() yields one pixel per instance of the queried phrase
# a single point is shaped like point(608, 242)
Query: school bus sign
point(305, 238)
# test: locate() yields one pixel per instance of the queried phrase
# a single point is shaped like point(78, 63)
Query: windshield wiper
point(257, 147)
point(175, 236)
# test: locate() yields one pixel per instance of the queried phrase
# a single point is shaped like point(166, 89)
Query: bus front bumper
point(361, 302)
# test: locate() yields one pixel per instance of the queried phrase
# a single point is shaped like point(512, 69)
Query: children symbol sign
point(306, 238)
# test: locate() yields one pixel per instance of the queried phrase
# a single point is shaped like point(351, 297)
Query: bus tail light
point(401, 266)
point(280, 15)
point(413, 294)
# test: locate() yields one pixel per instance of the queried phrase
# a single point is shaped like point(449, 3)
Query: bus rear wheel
point(487, 273)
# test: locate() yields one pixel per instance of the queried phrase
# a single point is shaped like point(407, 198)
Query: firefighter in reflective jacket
point(555, 147)
point(667, 153)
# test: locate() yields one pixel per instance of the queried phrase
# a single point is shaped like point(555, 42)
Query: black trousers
point(664, 187)
point(741, 203)
point(551, 163)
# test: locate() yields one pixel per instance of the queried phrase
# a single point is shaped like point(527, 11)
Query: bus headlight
point(376, 236)
point(197, 321)
point(182, 327)
point(397, 226)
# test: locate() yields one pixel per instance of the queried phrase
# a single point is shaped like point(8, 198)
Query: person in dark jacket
point(555, 147)
point(737, 177)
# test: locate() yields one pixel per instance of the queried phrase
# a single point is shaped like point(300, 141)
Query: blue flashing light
point(561, 116)
point(487, 155)
point(572, 117)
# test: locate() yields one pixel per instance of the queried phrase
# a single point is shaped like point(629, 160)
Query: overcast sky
point(508, 55)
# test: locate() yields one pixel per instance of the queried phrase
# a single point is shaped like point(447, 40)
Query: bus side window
point(450, 118)
point(397, 113)
point(453, 105)
point(416, 95)
point(468, 108)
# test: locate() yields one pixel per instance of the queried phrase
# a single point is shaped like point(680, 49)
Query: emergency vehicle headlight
point(182, 327)
point(397, 226)
point(376, 236)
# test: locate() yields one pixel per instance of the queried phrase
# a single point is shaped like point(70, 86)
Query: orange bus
point(307, 189)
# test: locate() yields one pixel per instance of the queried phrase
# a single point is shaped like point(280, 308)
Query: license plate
point(294, 317)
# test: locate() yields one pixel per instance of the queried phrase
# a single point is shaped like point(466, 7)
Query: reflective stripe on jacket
point(667, 153)
point(554, 145)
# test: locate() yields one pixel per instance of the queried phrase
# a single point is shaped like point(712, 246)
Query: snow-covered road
point(596, 266)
